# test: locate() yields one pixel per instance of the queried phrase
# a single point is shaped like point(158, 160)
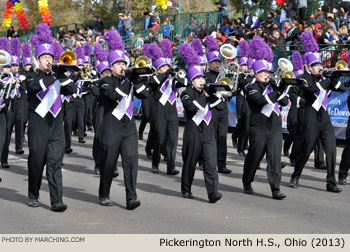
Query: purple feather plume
point(197, 46)
point(100, 53)
point(308, 41)
point(268, 53)
point(155, 52)
point(34, 41)
point(297, 61)
point(16, 47)
point(244, 48)
point(189, 55)
point(4, 44)
point(26, 50)
point(146, 50)
point(348, 58)
point(57, 51)
point(166, 48)
point(87, 49)
point(114, 41)
point(211, 44)
point(257, 48)
point(44, 34)
point(79, 52)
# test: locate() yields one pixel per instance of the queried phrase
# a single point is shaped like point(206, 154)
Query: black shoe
point(0, 179)
point(85, 134)
point(224, 171)
point(90, 129)
point(187, 195)
point(278, 195)
point(116, 173)
point(69, 150)
point(19, 152)
point(200, 166)
point(294, 182)
point(333, 188)
point(321, 167)
point(234, 144)
point(217, 196)
point(97, 170)
point(283, 164)
point(140, 136)
point(155, 169)
point(292, 162)
point(172, 172)
point(5, 165)
point(33, 203)
point(149, 155)
point(241, 153)
point(105, 201)
point(248, 190)
point(286, 153)
point(259, 167)
point(82, 141)
point(342, 181)
point(58, 207)
point(132, 204)
point(165, 158)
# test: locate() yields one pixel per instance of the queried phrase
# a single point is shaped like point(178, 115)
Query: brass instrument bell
point(68, 58)
point(341, 65)
point(143, 61)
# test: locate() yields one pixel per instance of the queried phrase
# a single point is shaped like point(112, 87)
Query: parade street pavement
point(307, 209)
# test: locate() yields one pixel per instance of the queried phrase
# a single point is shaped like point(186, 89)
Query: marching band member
point(45, 124)
point(79, 103)
point(165, 113)
point(316, 124)
point(220, 111)
point(88, 97)
point(199, 136)
point(118, 133)
point(265, 130)
point(15, 113)
point(345, 157)
point(243, 112)
point(104, 70)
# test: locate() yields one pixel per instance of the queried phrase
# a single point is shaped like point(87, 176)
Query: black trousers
point(146, 113)
point(264, 139)
point(78, 117)
point(345, 157)
point(292, 126)
point(166, 132)
point(119, 137)
point(199, 142)
point(2, 129)
point(46, 148)
point(220, 124)
point(317, 125)
point(88, 115)
point(68, 122)
point(243, 113)
point(15, 118)
point(96, 146)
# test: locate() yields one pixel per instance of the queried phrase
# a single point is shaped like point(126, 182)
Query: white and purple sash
point(169, 92)
point(269, 108)
point(125, 106)
point(322, 97)
point(203, 115)
point(50, 100)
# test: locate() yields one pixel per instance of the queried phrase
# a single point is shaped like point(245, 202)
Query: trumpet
point(229, 83)
point(181, 73)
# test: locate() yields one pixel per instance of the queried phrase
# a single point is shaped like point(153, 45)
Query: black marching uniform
point(79, 108)
point(220, 124)
point(15, 118)
point(265, 134)
point(165, 120)
point(119, 136)
point(317, 125)
point(89, 101)
point(199, 142)
point(45, 135)
point(243, 114)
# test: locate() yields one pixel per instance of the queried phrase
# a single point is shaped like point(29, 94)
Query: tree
point(62, 12)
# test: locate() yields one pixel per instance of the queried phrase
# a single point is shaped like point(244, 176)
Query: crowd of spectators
point(281, 29)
